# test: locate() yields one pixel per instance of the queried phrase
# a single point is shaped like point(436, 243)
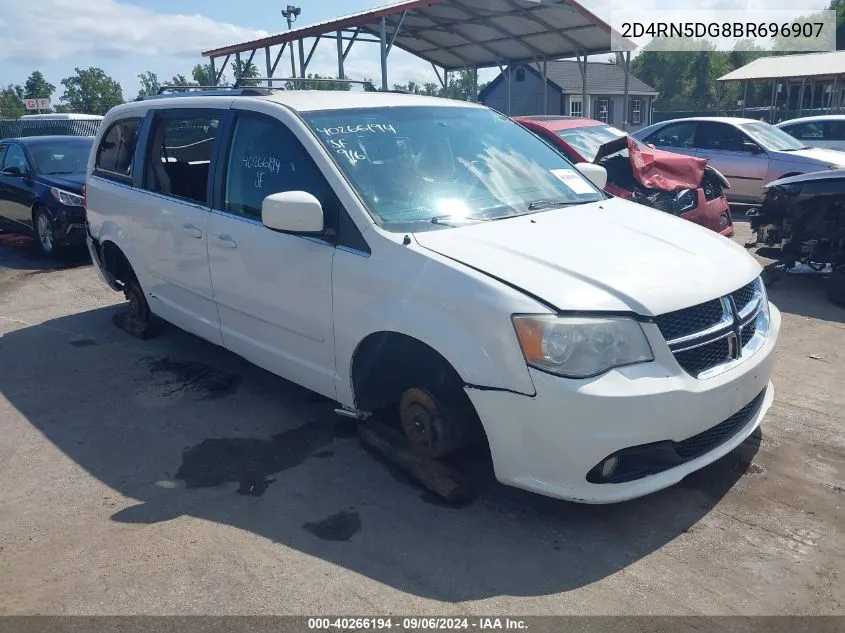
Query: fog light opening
point(609, 466)
point(723, 221)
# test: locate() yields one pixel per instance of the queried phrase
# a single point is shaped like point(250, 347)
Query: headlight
point(685, 200)
point(66, 197)
point(581, 347)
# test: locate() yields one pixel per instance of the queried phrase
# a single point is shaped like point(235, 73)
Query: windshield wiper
point(795, 149)
point(545, 204)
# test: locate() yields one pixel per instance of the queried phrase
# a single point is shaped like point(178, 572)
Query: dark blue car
point(41, 182)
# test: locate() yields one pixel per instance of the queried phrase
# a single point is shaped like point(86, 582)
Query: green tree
point(431, 89)
point(149, 84)
point(203, 76)
point(179, 80)
point(245, 71)
point(11, 102)
point(36, 87)
point(91, 91)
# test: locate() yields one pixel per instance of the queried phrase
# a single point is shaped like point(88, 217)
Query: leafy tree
point(36, 87)
point(245, 71)
point(11, 102)
point(91, 91)
point(204, 77)
point(179, 80)
point(149, 84)
point(431, 89)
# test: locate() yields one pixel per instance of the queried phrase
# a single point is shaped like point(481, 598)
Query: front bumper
point(549, 443)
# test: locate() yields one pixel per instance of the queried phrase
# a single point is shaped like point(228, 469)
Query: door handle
point(224, 241)
point(192, 231)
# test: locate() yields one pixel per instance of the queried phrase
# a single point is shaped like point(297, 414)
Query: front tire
point(44, 234)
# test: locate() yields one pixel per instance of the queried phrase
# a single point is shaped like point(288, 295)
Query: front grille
point(689, 320)
point(748, 332)
point(698, 359)
point(743, 296)
point(712, 333)
point(706, 441)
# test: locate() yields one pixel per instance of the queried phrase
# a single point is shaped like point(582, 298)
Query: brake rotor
point(418, 414)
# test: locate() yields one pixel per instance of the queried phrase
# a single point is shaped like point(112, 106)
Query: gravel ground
point(171, 477)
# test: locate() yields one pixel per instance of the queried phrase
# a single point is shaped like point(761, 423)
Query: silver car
point(749, 153)
point(827, 130)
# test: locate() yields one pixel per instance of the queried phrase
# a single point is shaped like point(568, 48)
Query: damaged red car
point(682, 185)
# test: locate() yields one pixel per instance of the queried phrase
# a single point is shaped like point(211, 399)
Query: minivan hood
point(820, 154)
point(612, 255)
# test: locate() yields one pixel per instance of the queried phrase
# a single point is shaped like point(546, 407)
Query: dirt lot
point(171, 477)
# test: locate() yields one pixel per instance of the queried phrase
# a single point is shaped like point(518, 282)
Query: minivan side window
point(179, 157)
point(117, 149)
point(267, 158)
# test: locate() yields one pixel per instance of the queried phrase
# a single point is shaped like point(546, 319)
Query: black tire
point(45, 237)
point(836, 287)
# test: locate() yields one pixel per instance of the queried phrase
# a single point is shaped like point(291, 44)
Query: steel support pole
point(834, 95)
point(788, 97)
point(238, 68)
point(383, 46)
point(545, 89)
point(292, 61)
point(744, 95)
point(213, 71)
point(269, 66)
point(774, 96)
point(340, 55)
point(584, 108)
point(801, 96)
point(625, 113)
point(301, 63)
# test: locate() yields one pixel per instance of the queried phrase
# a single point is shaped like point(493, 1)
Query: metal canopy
point(459, 34)
point(790, 67)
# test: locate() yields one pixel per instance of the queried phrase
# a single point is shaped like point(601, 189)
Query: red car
point(683, 185)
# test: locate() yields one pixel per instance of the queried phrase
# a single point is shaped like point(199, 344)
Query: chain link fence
point(13, 128)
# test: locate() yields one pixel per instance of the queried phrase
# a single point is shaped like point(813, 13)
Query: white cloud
point(41, 31)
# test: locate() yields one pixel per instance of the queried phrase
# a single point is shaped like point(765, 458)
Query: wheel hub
point(418, 414)
point(45, 233)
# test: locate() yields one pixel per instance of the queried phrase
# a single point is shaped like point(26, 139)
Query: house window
point(520, 74)
point(636, 111)
point(603, 107)
point(576, 106)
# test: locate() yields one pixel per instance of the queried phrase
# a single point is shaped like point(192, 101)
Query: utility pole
point(290, 14)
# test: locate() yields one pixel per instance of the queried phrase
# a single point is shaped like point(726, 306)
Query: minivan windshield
point(420, 167)
point(772, 138)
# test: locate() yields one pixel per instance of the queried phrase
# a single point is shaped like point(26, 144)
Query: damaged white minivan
point(434, 257)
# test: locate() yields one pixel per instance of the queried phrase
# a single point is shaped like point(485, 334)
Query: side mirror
point(293, 212)
point(14, 172)
point(751, 148)
point(651, 145)
point(596, 174)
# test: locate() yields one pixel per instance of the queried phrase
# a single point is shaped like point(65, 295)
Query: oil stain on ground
point(250, 462)
point(341, 526)
point(201, 380)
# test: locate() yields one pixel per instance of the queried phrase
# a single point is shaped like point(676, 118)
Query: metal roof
point(790, 67)
point(456, 34)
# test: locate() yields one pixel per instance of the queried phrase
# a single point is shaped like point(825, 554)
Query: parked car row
point(684, 186)
point(749, 153)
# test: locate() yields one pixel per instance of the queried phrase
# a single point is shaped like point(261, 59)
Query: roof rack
point(295, 81)
point(242, 88)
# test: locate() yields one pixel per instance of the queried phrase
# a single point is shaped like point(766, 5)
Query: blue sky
point(127, 37)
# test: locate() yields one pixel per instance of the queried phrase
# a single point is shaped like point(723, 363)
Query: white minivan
point(436, 258)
